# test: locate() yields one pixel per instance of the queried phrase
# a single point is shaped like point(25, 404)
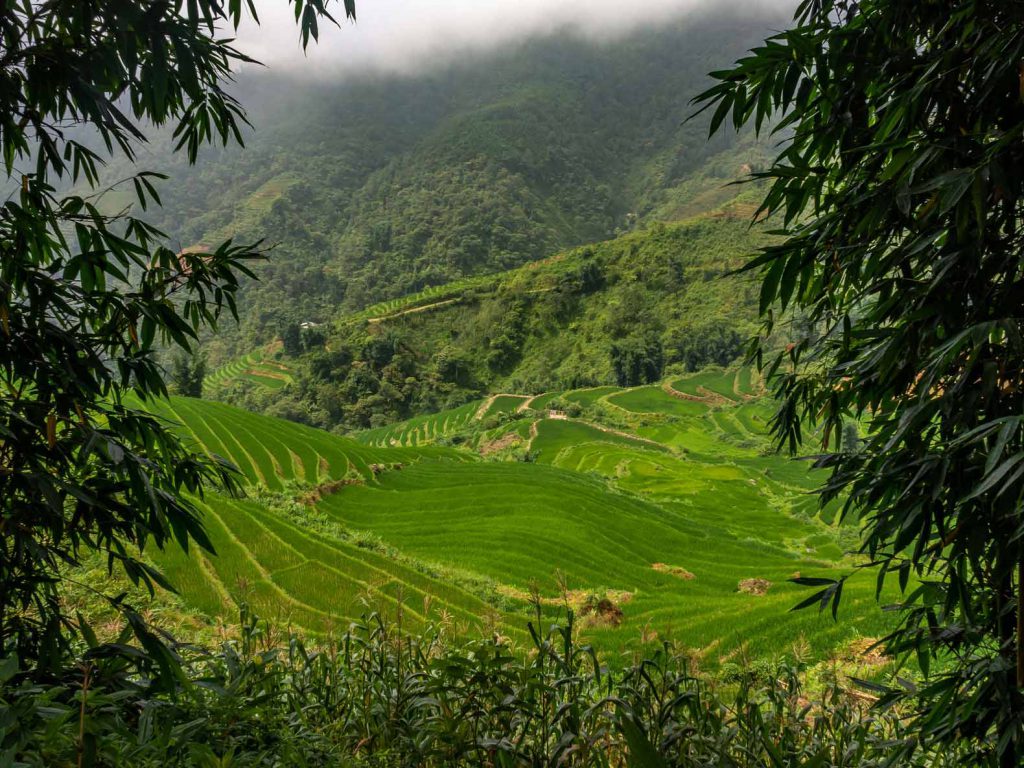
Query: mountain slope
point(373, 188)
point(619, 312)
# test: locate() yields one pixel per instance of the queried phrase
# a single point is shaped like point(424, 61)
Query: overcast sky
point(404, 35)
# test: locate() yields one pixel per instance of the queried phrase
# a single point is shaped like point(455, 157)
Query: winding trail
point(485, 406)
point(599, 427)
point(414, 310)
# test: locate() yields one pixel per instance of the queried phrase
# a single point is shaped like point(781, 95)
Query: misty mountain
point(377, 187)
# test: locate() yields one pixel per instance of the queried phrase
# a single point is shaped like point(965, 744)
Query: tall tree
point(187, 374)
point(291, 338)
point(85, 297)
point(900, 192)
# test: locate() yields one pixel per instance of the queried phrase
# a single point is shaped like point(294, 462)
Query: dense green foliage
point(373, 696)
point(187, 374)
point(86, 298)
point(900, 191)
point(620, 312)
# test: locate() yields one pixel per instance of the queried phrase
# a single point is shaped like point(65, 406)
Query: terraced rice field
point(707, 383)
point(423, 430)
point(664, 504)
point(254, 367)
point(476, 517)
point(286, 571)
point(291, 575)
point(654, 399)
point(590, 395)
point(270, 452)
point(433, 295)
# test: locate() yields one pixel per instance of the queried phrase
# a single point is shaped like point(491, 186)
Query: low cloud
point(405, 35)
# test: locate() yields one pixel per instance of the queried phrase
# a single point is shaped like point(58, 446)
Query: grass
point(437, 534)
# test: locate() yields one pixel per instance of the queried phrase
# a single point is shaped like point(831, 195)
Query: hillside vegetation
point(622, 312)
point(372, 188)
point(480, 474)
point(652, 511)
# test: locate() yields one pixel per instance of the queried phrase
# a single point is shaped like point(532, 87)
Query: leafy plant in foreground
point(900, 193)
point(376, 696)
point(85, 297)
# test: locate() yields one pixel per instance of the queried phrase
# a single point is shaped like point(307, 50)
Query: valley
point(655, 512)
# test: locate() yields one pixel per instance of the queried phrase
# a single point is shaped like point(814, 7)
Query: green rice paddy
point(662, 499)
point(257, 368)
point(654, 399)
point(423, 429)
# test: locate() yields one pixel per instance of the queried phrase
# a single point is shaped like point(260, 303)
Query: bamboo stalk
point(1020, 622)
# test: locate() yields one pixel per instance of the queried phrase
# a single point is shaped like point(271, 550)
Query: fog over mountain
point(405, 36)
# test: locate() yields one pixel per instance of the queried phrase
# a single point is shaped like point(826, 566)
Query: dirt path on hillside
point(621, 433)
point(414, 310)
point(526, 403)
point(598, 427)
point(486, 405)
point(533, 434)
point(669, 389)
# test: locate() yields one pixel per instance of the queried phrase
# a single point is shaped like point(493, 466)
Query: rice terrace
point(654, 512)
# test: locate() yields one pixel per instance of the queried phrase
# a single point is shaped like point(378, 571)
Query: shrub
point(377, 696)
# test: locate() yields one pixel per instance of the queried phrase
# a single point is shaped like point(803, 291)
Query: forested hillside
point(620, 312)
point(377, 187)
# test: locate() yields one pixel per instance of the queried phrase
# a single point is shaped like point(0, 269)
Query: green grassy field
point(661, 503)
